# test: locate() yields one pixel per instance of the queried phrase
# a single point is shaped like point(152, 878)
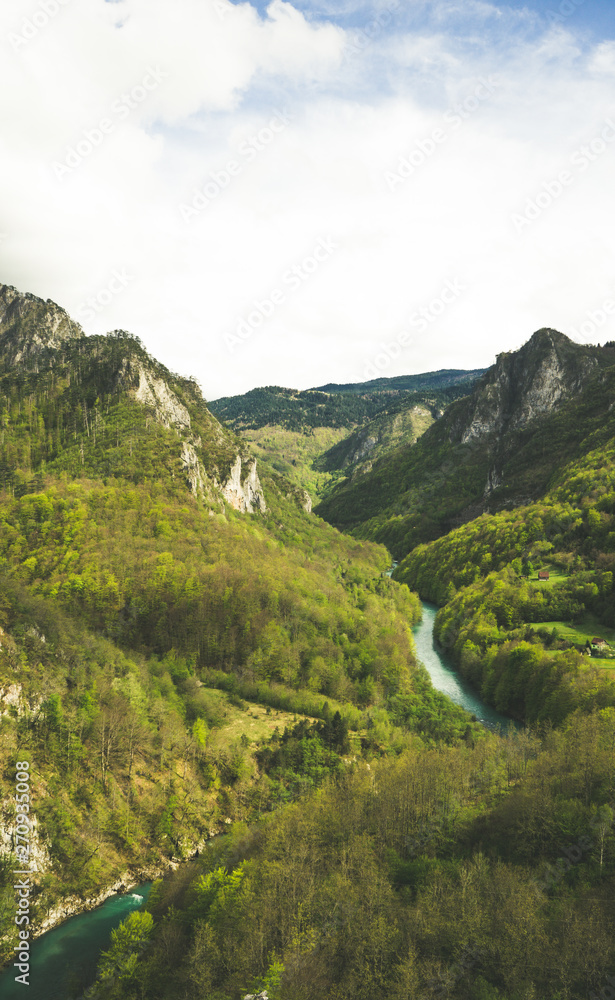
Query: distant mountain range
point(316, 436)
point(530, 414)
point(433, 381)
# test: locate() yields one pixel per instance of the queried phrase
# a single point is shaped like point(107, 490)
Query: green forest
point(478, 872)
point(499, 621)
point(239, 694)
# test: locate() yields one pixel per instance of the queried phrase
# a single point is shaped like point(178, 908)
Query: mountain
point(357, 453)
point(499, 446)
point(315, 436)
point(427, 381)
point(182, 646)
point(94, 396)
point(31, 328)
point(185, 651)
point(525, 579)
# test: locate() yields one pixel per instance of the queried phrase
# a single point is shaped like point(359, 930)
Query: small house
point(600, 647)
point(543, 574)
point(598, 643)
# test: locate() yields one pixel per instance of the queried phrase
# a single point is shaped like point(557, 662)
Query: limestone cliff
point(32, 328)
point(524, 385)
point(245, 495)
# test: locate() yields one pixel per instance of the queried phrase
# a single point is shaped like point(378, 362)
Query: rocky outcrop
point(32, 328)
point(245, 495)
point(13, 701)
point(193, 470)
point(363, 450)
point(301, 497)
point(11, 697)
point(494, 481)
point(154, 392)
point(526, 384)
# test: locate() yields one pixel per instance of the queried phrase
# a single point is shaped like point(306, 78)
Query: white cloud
point(603, 61)
point(226, 79)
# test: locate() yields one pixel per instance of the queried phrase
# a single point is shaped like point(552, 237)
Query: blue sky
point(303, 193)
point(595, 17)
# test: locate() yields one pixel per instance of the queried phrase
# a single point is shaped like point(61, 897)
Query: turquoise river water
point(445, 678)
point(63, 961)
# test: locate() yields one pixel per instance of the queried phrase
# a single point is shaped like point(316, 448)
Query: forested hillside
point(476, 873)
point(501, 446)
point(185, 650)
point(317, 437)
point(168, 615)
point(481, 870)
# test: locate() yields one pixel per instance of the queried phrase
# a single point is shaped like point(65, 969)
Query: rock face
point(152, 391)
point(526, 384)
point(40, 860)
point(306, 502)
point(31, 328)
point(247, 495)
point(155, 392)
point(32, 332)
point(192, 468)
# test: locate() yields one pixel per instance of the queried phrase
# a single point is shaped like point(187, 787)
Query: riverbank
point(63, 963)
point(445, 677)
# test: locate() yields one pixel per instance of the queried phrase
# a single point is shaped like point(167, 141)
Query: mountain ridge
point(481, 453)
point(42, 340)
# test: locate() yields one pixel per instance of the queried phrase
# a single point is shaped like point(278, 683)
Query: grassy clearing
point(556, 577)
point(292, 453)
point(580, 632)
point(254, 721)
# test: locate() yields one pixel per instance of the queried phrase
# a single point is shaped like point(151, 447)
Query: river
point(445, 678)
point(63, 961)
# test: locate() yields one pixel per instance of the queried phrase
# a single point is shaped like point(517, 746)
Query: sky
point(296, 193)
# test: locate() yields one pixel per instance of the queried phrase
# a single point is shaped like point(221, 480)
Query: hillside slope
point(499, 446)
point(159, 595)
point(315, 437)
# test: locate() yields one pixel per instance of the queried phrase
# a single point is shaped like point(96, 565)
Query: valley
point(199, 634)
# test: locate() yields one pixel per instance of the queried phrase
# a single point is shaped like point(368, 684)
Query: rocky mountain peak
point(30, 328)
point(525, 384)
